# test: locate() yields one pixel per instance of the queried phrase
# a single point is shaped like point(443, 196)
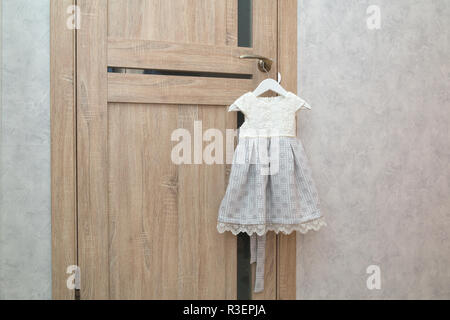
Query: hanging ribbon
point(258, 255)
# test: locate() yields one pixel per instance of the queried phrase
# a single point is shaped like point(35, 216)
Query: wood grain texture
point(209, 258)
point(63, 156)
point(139, 88)
point(92, 149)
point(186, 21)
point(149, 54)
point(287, 66)
point(163, 238)
point(265, 43)
point(231, 23)
point(143, 192)
point(159, 238)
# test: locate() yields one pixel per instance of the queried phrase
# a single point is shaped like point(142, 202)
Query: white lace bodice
point(268, 116)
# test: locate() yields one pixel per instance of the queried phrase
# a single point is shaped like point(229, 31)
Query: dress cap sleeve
point(298, 103)
point(241, 104)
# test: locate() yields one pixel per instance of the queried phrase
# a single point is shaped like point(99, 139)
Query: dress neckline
point(270, 100)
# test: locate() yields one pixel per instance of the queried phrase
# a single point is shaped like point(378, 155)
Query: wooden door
point(147, 227)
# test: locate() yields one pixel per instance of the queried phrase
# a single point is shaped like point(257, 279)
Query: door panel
point(147, 227)
point(143, 202)
point(163, 244)
point(149, 54)
point(92, 156)
point(139, 88)
point(199, 21)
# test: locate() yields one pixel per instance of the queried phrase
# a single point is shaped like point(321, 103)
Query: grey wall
point(25, 231)
point(379, 142)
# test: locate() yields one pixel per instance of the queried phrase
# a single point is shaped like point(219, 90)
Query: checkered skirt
point(270, 189)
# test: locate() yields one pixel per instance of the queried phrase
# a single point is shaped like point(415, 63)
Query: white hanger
point(270, 84)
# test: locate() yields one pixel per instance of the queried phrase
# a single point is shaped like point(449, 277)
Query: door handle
point(264, 64)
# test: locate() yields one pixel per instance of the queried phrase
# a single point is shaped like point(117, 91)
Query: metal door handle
point(264, 64)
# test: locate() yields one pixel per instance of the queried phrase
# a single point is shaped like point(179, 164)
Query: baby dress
point(270, 186)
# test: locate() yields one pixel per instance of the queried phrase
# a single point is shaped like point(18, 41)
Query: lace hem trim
point(261, 229)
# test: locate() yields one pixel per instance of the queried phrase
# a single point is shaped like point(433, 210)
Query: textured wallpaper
point(25, 219)
point(378, 139)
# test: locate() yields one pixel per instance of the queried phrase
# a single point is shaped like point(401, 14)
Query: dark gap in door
point(181, 73)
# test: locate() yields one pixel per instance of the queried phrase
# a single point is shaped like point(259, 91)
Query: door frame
point(63, 113)
point(63, 147)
